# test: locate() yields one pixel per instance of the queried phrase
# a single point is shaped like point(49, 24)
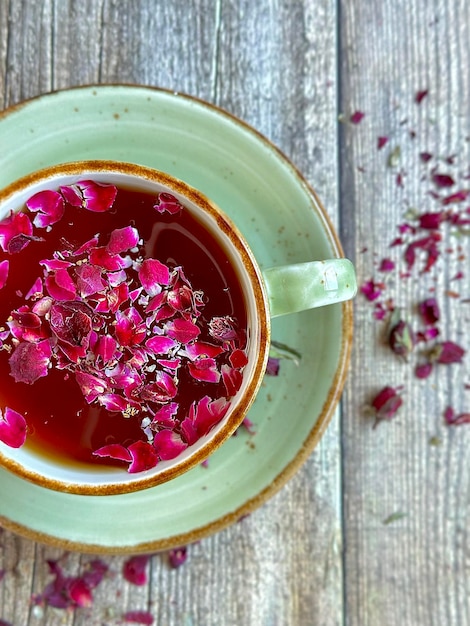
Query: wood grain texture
point(273, 64)
point(413, 571)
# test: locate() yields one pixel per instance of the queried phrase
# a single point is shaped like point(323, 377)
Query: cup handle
point(302, 286)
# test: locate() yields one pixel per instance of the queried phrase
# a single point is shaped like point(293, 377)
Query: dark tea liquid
point(61, 424)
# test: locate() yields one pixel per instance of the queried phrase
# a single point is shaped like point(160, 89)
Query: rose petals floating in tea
point(129, 328)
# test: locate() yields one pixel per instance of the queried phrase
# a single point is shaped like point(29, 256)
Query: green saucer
point(282, 221)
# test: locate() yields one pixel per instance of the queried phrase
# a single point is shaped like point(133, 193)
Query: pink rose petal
point(204, 369)
point(166, 415)
point(36, 290)
point(12, 428)
point(30, 361)
point(203, 416)
point(357, 117)
point(167, 203)
point(145, 618)
point(160, 344)
point(182, 330)
point(103, 258)
point(114, 451)
point(152, 275)
point(238, 359)
point(49, 206)
point(60, 285)
point(443, 180)
point(168, 444)
point(115, 403)
point(162, 389)
point(178, 556)
point(144, 457)
point(420, 95)
point(91, 386)
point(90, 195)
point(4, 268)
point(89, 280)
point(232, 378)
point(381, 142)
point(15, 232)
point(122, 239)
point(202, 349)
point(134, 569)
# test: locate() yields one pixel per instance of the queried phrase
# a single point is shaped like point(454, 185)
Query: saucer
point(282, 221)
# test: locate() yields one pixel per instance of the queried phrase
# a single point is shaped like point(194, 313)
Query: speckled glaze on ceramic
point(283, 223)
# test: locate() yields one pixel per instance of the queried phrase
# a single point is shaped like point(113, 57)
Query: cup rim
point(45, 177)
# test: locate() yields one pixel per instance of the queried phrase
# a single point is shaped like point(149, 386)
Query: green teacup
point(135, 325)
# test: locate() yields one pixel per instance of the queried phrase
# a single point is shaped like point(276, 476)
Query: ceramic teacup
point(135, 325)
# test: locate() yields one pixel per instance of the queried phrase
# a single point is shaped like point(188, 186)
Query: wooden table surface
point(373, 530)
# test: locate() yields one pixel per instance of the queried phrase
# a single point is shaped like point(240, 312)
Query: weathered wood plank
point(411, 571)
point(273, 64)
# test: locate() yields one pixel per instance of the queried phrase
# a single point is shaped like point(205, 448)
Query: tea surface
point(68, 415)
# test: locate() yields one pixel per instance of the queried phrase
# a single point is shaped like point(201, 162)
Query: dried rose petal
point(429, 311)
point(167, 203)
point(178, 556)
point(381, 142)
point(36, 290)
point(357, 117)
point(89, 280)
point(114, 451)
point(160, 344)
point(448, 352)
point(30, 361)
point(204, 369)
point(102, 257)
point(238, 359)
point(443, 180)
point(458, 196)
point(202, 417)
point(182, 330)
point(153, 275)
point(429, 245)
point(453, 419)
point(431, 221)
point(386, 265)
point(12, 428)
point(273, 366)
point(144, 457)
point(26, 318)
point(162, 389)
point(138, 617)
point(49, 206)
point(423, 370)
point(134, 569)
point(386, 403)
point(130, 328)
point(91, 386)
point(168, 444)
point(122, 239)
point(232, 378)
point(4, 268)
point(15, 232)
point(372, 290)
point(90, 195)
point(425, 156)
point(60, 285)
point(80, 593)
point(420, 95)
point(71, 323)
point(115, 403)
point(166, 415)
